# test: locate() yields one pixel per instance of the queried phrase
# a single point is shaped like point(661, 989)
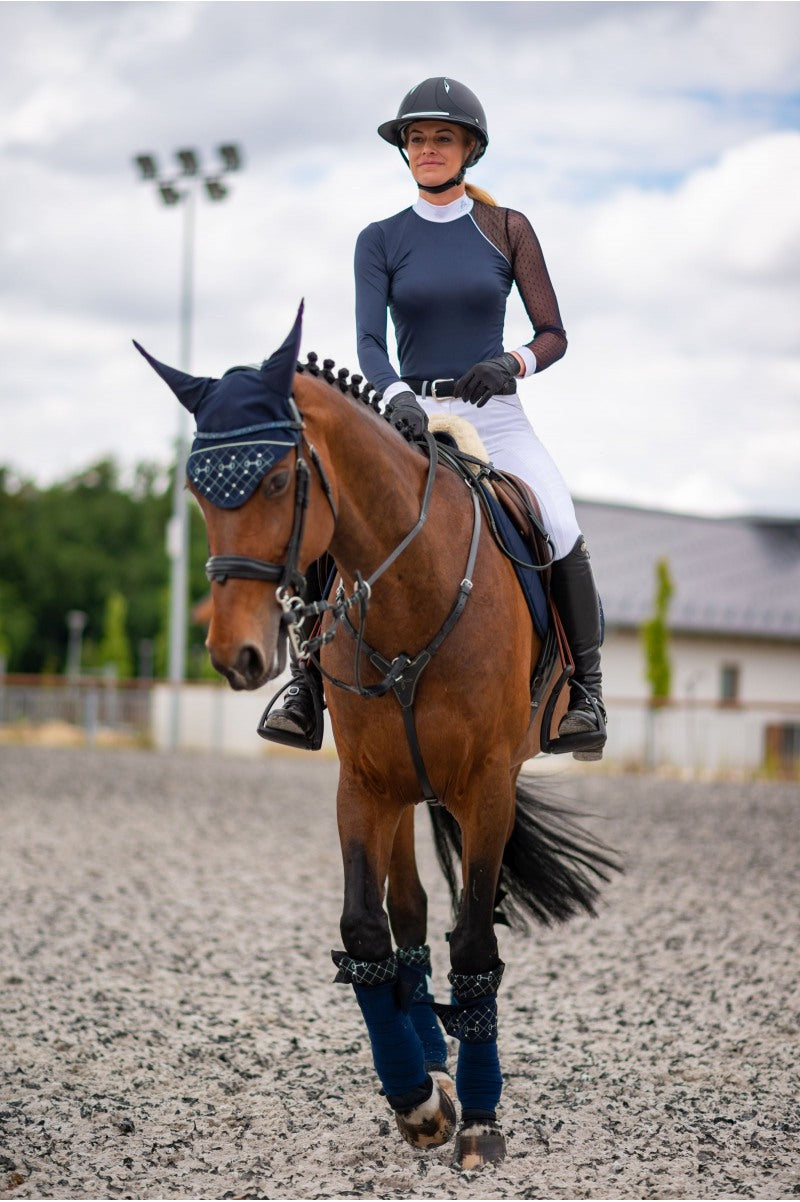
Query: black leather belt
point(440, 390)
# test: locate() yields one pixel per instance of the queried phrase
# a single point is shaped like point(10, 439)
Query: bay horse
point(289, 464)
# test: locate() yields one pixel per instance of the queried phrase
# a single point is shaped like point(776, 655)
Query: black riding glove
point(407, 415)
point(492, 377)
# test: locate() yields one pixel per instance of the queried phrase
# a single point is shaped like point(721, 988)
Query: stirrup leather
point(585, 740)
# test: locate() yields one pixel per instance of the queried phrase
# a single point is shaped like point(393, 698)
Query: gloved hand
point(407, 415)
point(492, 377)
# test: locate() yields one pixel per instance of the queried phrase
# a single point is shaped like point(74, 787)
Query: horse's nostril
point(250, 663)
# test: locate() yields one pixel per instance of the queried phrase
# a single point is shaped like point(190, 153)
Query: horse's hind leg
point(407, 904)
point(367, 827)
point(475, 977)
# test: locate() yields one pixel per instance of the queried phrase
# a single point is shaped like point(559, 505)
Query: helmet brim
point(392, 131)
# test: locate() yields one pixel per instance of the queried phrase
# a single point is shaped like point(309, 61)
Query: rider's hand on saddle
point(492, 377)
point(407, 415)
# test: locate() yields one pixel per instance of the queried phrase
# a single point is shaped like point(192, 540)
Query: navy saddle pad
point(530, 581)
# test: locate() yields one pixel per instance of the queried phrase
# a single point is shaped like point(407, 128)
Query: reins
point(462, 462)
point(308, 649)
point(404, 684)
point(292, 583)
point(402, 674)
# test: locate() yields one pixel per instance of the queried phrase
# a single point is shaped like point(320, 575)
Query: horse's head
point(248, 473)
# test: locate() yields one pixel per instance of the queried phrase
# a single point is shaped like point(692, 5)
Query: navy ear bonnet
point(246, 421)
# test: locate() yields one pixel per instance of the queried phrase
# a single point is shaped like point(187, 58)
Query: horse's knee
point(471, 949)
point(365, 935)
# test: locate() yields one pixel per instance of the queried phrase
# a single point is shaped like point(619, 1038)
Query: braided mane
point(350, 385)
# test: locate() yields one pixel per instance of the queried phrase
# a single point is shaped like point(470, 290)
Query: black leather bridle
point(401, 674)
point(220, 568)
point(291, 591)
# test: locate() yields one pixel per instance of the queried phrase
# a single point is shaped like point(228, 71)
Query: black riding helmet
point(445, 98)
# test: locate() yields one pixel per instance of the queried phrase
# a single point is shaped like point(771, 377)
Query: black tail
point(551, 866)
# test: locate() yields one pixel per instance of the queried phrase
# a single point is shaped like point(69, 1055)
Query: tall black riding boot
point(578, 605)
point(298, 722)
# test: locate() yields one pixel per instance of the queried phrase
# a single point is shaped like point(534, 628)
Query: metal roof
point(731, 576)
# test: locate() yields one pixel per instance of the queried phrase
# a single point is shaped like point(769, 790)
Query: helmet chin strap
point(436, 188)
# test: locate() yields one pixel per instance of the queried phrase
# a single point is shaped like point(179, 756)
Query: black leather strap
point(438, 389)
point(441, 389)
point(243, 567)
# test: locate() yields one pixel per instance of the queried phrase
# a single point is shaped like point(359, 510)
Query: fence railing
point(88, 702)
point(698, 737)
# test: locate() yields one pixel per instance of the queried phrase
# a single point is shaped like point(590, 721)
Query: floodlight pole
point(191, 176)
point(178, 533)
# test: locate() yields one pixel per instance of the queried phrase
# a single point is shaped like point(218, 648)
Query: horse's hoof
point(478, 1144)
point(432, 1123)
point(445, 1083)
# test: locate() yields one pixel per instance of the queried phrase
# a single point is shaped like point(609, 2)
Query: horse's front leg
point(476, 974)
point(367, 827)
point(407, 904)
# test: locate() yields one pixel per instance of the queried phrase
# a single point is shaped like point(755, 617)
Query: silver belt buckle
point(434, 393)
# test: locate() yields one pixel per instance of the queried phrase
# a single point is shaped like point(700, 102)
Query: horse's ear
point(190, 390)
point(278, 371)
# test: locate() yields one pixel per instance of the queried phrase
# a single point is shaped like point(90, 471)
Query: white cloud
point(736, 216)
point(643, 140)
point(681, 386)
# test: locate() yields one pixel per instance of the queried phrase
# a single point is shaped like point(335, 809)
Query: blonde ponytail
point(482, 197)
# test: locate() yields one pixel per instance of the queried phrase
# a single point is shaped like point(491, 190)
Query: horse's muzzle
point(250, 670)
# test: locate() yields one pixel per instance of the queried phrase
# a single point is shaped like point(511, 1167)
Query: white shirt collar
point(451, 212)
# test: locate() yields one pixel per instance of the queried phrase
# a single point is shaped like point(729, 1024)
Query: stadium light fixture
point(175, 192)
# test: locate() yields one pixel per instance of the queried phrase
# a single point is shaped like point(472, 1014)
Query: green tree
point(115, 647)
point(73, 544)
point(655, 636)
point(16, 623)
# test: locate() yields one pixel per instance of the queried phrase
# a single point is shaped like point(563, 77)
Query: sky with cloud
point(654, 146)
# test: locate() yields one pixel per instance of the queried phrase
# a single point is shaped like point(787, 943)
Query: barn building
point(734, 637)
point(733, 643)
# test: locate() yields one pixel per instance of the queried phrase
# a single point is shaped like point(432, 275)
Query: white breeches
point(513, 447)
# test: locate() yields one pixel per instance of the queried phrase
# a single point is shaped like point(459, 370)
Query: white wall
point(212, 717)
point(692, 736)
point(768, 672)
point(694, 733)
point(699, 739)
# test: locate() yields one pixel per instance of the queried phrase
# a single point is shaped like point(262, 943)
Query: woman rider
point(444, 268)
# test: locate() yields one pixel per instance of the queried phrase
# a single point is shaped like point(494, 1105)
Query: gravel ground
point(169, 1027)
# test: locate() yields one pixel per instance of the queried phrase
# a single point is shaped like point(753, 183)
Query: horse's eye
point(276, 484)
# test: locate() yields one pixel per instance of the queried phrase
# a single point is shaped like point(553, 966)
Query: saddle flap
point(521, 505)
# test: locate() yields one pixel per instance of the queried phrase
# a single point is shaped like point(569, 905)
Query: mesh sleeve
point(514, 237)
